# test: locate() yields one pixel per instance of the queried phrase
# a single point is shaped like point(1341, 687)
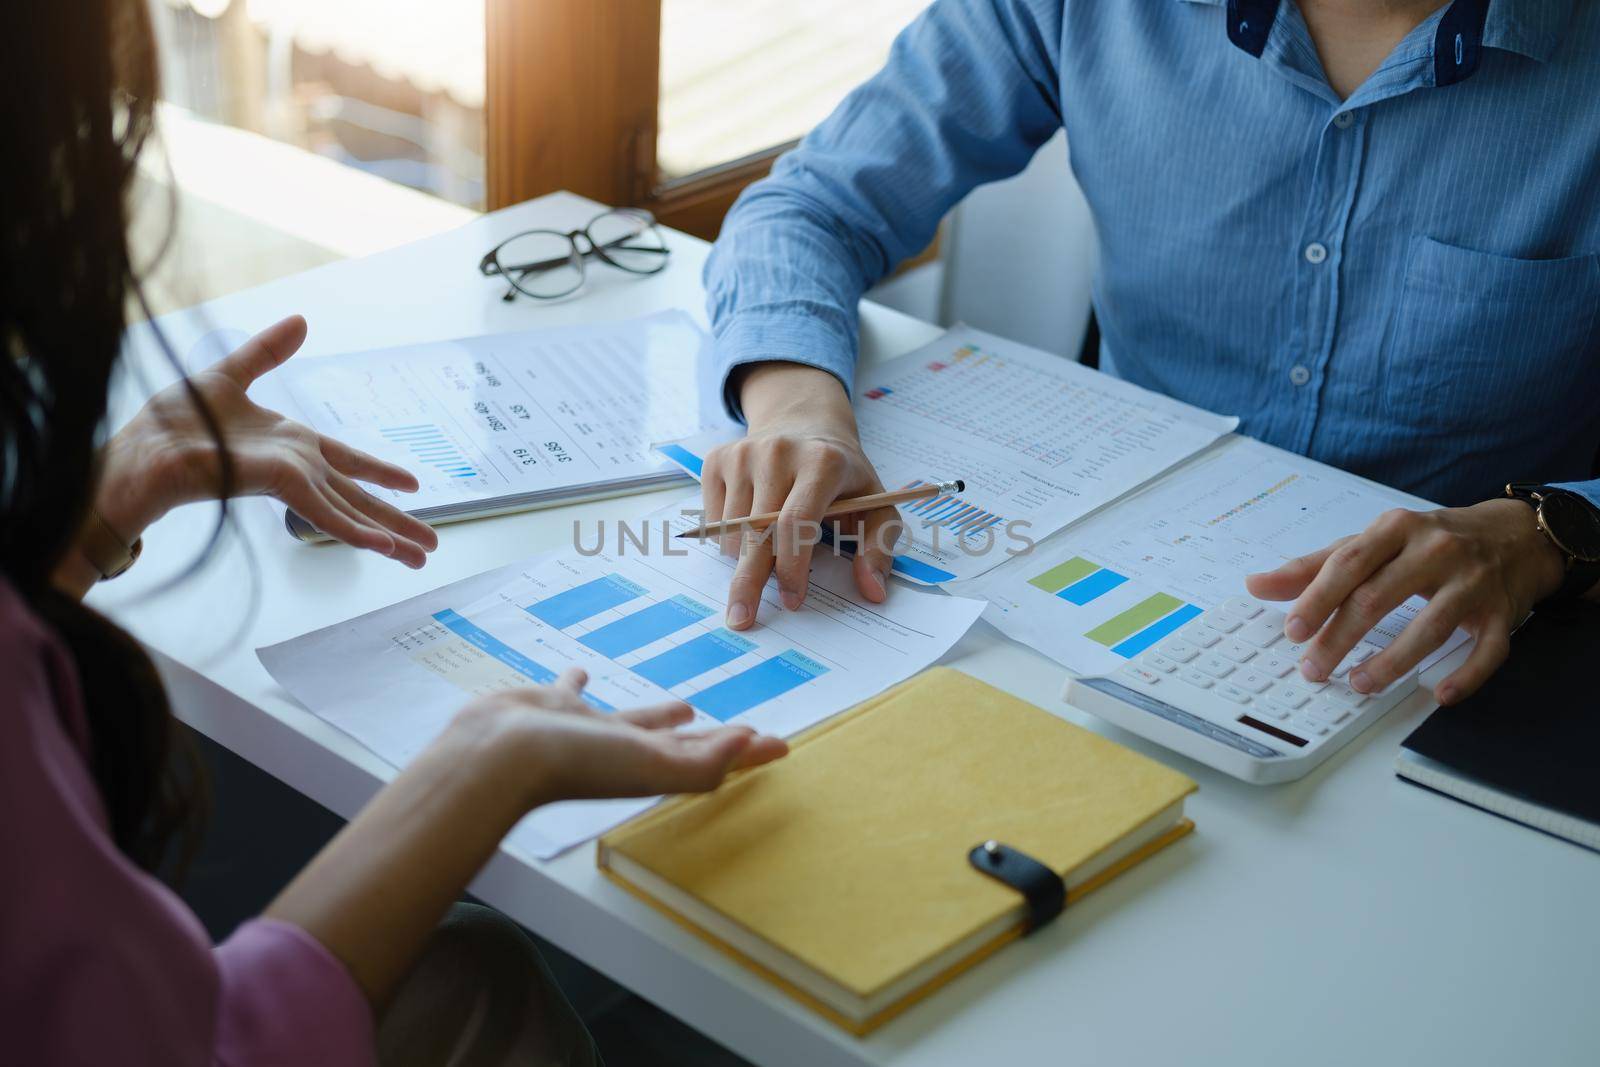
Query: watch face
point(1573, 522)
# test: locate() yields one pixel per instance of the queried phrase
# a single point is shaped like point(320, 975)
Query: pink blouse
point(99, 962)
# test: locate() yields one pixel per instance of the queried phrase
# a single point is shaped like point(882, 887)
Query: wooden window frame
point(572, 101)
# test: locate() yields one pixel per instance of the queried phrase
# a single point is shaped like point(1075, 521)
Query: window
point(675, 105)
point(391, 87)
point(739, 77)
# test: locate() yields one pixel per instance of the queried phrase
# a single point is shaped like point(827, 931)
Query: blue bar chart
point(585, 601)
point(429, 445)
point(756, 685)
point(950, 512)
point(693, 658)
point(645, 626)
point(647, 636)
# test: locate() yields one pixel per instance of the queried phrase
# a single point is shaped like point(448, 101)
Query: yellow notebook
point(841, 871)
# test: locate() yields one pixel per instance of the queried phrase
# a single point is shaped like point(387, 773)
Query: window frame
point(571, 102)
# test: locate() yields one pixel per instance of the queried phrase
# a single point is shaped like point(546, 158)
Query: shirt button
point(1316, 252)
point(1299, 374)
point(1344, 120)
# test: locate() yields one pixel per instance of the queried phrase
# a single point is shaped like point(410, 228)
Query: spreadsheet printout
point(1040, 441)
point(645, 624)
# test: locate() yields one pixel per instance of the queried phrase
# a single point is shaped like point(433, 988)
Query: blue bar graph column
point(693, 658)
point(586, 600)
point(761, 683)
point(645, 626)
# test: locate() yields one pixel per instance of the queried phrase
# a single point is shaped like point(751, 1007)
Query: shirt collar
point(1531, 28)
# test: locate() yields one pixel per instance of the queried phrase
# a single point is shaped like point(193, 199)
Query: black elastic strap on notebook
point(1043, 888)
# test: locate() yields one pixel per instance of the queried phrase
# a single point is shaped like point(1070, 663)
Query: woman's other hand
point(166, 457)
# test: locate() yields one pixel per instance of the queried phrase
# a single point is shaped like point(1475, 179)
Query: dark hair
point(65, 279)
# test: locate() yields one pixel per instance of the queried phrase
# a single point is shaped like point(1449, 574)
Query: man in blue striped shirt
point(1369, 227)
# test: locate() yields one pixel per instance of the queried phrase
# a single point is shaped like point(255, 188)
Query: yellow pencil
point(834, 510)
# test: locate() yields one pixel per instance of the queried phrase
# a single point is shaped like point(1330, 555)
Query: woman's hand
point(165, 457)
point(560, 748)
point(1482, 568)
point(374, 893)
point(800, 455)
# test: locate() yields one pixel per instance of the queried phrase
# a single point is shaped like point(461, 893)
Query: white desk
point(1347, 918)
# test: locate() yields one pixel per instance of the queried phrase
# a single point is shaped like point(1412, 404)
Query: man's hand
point(1482, 568)
point(800, 455)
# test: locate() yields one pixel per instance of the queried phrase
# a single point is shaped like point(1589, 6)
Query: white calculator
point(1226, 690)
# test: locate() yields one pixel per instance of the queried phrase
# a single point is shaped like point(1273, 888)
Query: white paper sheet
point(646, 625)
point(512, 415)
point(1184, 544)
point(1040, 441)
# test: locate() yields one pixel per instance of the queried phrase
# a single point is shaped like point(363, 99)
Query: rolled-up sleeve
point(285, 999)
point(968, 95)
point(1589, 490)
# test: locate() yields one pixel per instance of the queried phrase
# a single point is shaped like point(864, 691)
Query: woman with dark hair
point(102, 964)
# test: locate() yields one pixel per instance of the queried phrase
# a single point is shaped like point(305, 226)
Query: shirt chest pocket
point(1482, 345)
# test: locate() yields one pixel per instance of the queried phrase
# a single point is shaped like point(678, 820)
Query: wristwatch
point(105, 549)
point(1571, 523)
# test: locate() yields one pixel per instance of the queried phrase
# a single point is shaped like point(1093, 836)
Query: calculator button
point(1232, 692)
point(1274, 665)
point(1343, 694)
point(1214, 665)
point(1260, 633)
point(1274, 616)
point(1195, 678)
point(1290, 695)
point(1159, 663)
point(1250, 680)
point(1237, 651)
point(1326, 712)
point(1201, 636)
point(1222, 622)
point(1148, 677)
point(1271, 709)
point(1243, 607)
point(1179, 651)
point(1354, 658)
point(1312, 728)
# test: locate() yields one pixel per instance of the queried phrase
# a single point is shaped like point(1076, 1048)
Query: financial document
point(518, 419)
point(646, 624)
point(1107, 589)
point(1040, 441)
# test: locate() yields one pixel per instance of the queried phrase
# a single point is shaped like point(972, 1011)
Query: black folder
point(1527, 745)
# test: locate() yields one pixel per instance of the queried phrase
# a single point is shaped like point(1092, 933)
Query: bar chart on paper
point(1122, 580)
point(643, 628)
point(949, 513)
point(429, 445)
point(632, 642)
point(1134, 627)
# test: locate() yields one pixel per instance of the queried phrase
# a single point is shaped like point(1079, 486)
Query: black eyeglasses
point(546, 264)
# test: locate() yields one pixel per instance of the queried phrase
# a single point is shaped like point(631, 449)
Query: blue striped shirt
point(1405, 284)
